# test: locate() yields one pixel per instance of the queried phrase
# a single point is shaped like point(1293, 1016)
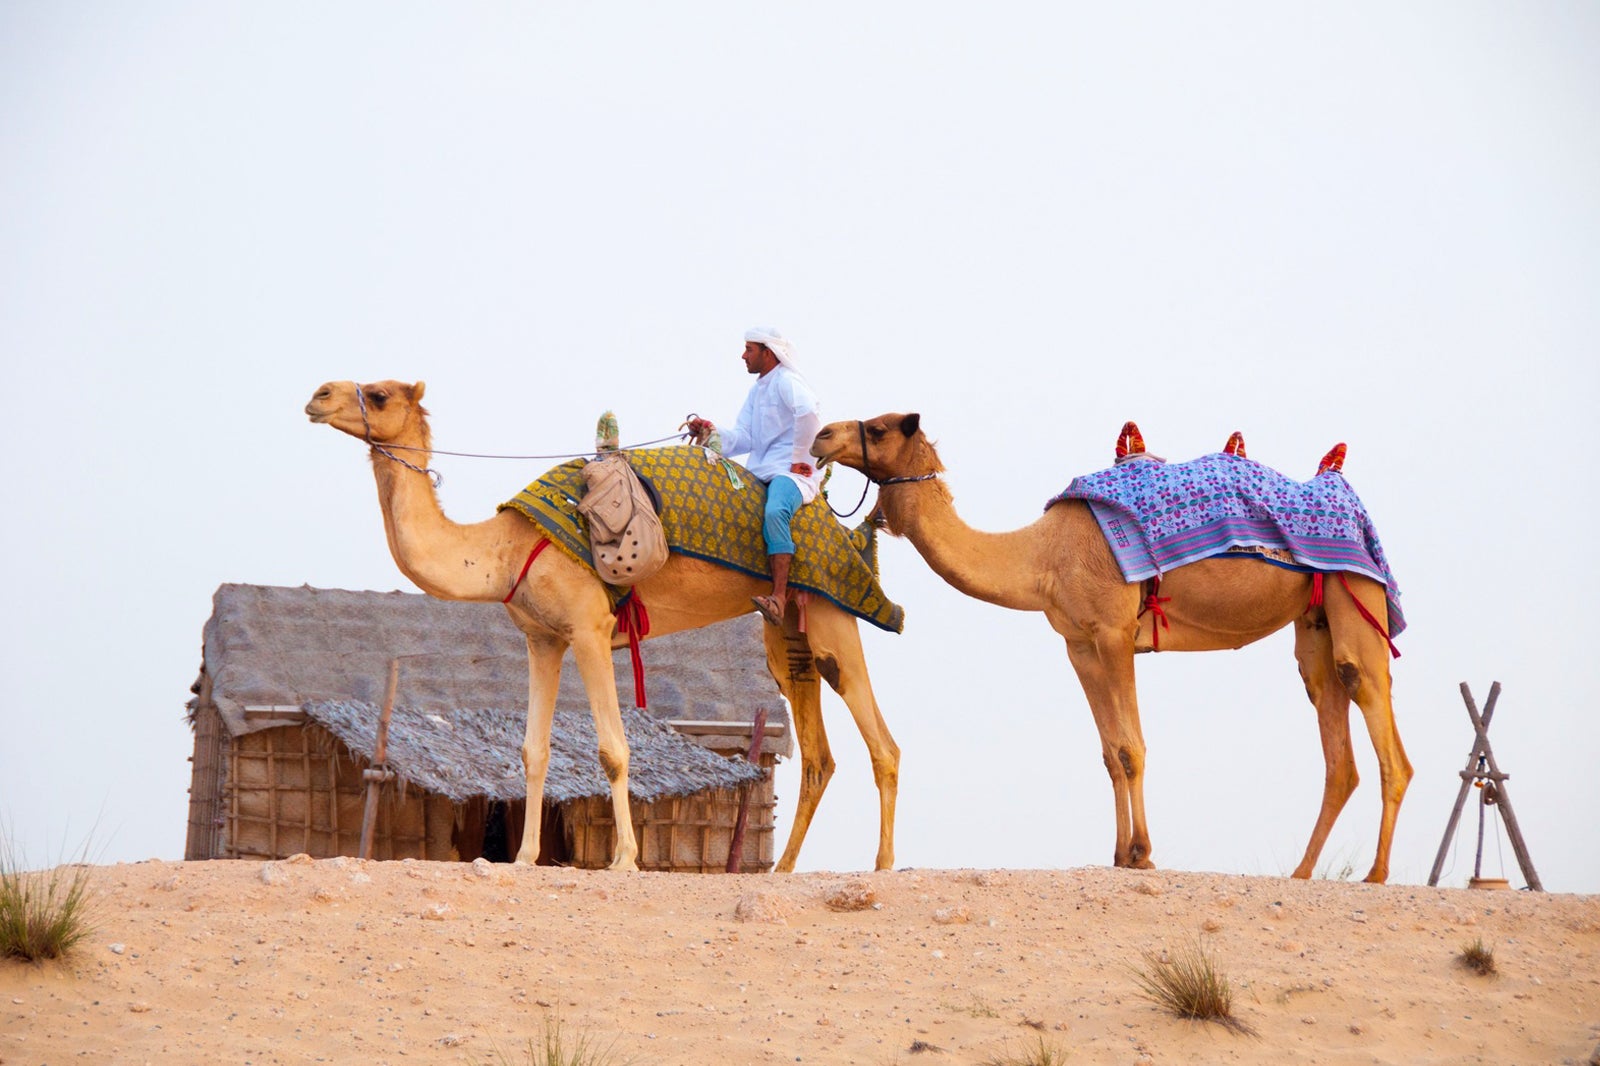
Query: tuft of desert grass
point(557, 1047)
point(1339, 868)
point(1041, 1053)
point(1186, 982)
point(43, 913)
point(1478, 958)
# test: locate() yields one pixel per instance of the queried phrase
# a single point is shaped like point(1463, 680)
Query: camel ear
point(909, 424)
point(416, 391)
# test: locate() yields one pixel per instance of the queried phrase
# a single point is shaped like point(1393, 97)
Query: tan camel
point(1061, 565)
point(560, 603)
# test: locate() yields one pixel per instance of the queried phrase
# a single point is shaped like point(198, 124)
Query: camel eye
point(875, 432)
point(378, 398)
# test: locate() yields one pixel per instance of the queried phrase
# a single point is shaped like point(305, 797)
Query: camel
point(560, 603)
point(1061, 565)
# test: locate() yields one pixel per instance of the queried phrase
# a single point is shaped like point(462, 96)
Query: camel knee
point(886, 761)
point(1341, 781)
point(1350, 677)
point(614, 763)
point(1124, 762)
point(828, 667)
point(817, 775)
point(1116, 769)
point(535, 762)
point(886, 772)
point(1399, 780)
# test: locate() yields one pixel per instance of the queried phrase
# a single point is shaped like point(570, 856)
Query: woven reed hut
point(285, 717)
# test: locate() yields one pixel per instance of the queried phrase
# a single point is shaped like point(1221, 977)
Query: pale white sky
point(1027, 222)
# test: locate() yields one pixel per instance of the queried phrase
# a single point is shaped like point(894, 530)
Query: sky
point(1363, 222)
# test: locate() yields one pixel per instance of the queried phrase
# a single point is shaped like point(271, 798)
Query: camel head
point(382, 412)
point(894, 447)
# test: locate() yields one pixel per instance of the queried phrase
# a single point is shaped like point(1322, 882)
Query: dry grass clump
point(42, 913)
point(1041, 1053)
point(1478, 958)
point(556, 1048)
point(1187, 983)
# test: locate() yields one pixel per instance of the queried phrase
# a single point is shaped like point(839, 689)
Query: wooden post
point(1481, 767)
point(377, 773)
point(736, 845)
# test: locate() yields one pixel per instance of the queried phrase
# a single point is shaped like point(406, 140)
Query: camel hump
point(1334, 460)
point(1235, 445)
point(1130, 441)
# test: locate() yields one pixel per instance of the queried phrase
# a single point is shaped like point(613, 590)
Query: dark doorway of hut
point(492, 829)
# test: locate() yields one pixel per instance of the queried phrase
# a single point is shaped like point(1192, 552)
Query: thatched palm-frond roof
point(461, 699)
point(268, 645)
point(462, 754)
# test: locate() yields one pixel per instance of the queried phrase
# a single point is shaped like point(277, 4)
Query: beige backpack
point(625, 535)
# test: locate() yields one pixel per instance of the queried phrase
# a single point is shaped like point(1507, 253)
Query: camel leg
point(836, 650)
point(789, 661)
point(544, 678)
point(1105, 670)
point(1313, 647)
point(1361, 661)
point(592, 651)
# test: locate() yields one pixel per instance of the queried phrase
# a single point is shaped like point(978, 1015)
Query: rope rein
point(555, 455)
point(438, 478)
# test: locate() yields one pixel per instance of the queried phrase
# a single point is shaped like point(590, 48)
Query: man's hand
point(803, 469)
point(699, 429)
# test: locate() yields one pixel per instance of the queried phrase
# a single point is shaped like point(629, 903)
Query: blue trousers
point(783, 500)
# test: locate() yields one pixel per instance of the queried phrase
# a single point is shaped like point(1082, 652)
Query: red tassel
point(634, 620)
point(1158, 617)
point(1316, 591)
point(1235, 445)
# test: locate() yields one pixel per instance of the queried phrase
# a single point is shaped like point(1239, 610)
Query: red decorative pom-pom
point(1130, 442)
point(1235, 445)
point(1334, 460)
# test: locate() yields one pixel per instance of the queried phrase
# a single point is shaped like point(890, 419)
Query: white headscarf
point(775, 341)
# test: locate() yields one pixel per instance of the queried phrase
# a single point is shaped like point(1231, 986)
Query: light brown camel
point(560, 603)
point(1061, 565)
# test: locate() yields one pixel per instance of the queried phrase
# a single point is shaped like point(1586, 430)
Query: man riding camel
point(775, 428)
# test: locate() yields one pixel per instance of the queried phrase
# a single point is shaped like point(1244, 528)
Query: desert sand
point(341, 960)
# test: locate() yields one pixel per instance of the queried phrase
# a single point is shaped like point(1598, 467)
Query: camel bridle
point(866, 471)
point(366, 434)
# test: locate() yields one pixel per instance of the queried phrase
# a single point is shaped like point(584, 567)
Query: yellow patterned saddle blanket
point(707, 514)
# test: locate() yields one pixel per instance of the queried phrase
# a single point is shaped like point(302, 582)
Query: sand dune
point(347, 961)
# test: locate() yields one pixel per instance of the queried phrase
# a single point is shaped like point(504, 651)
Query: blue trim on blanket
point(1270, 561)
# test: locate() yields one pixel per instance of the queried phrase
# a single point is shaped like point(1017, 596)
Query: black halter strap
point(361, 401)
point(866, 465)
point(866, 471)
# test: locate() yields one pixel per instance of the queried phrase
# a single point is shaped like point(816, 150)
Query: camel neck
point(998, 568)
point(444, 558)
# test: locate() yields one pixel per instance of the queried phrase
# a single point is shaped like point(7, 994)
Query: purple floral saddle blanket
point(1159, 516)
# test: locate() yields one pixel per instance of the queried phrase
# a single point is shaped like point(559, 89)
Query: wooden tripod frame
point(1481, 767)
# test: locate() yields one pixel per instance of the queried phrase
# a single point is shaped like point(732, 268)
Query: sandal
point(769, 609)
